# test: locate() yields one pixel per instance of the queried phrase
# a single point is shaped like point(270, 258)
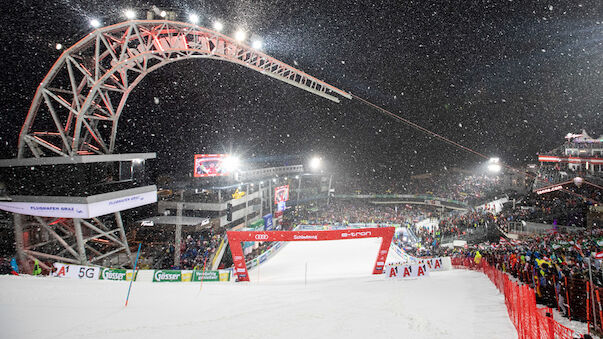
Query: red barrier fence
point(529, 320)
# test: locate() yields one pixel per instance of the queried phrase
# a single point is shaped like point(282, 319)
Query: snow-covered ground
point(340, 300)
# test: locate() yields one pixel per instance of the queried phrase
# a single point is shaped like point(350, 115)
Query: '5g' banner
point(75, 271)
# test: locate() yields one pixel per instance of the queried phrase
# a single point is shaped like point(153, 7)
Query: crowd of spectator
point(463, 187)
point(556, 265)
point(197, 249)
point(358, 211)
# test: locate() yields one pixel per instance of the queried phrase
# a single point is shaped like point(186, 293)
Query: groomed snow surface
point(340, 300)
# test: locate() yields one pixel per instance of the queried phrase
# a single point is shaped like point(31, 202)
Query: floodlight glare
point(95, 23)
point(218, 26)
point(58, 46)
point(163, 14)
point(494, 167)
point(494, 160)
point(193, 18)
point(315, 163)
point(257, 44)
point(240, 35)
point(130, 14)
point(231, 163)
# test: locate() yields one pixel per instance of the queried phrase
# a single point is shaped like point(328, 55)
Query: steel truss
point(77, 106)
point(78, 241)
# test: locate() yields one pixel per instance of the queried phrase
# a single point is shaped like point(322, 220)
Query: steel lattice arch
point(76, 108)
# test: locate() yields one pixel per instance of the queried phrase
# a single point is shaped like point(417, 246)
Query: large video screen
point(281, 194)
point(210, 165)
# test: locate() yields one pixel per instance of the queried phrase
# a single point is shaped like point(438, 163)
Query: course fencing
point(530, 320)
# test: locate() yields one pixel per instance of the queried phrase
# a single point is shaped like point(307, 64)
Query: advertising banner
point(268, 225)
point(224, 275)
point(75, 271)
point(209, 165)
point(281, 194)
point(167, 276)
point(114, 274)
point(281, 206)
point(206, 276)
point(433, 264)
point(236, 237)
point(406, 271)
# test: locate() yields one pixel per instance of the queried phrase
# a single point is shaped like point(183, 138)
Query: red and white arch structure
point(235, 237)
point(77, 106)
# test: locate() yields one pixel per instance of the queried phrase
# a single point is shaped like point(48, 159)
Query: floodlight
point(231, 163)
point(58, 46)
point(130, 14)
point(240, 35)
point(494, 167)
point(218, 26)
point(494, 160)
point(257, 44)
point(193, 18)
point(315, 163)
point(163, 14)
point(95, 23)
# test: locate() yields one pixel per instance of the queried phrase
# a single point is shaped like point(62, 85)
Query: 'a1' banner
point(406, 271)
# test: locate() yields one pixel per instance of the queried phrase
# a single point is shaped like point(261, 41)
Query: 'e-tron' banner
point(235, 238)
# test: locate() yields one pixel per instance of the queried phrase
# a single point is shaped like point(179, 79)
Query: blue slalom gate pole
point(133, 273)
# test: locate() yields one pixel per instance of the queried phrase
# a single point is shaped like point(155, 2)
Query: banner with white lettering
point(75, 271)
point(433, 264)
point(406, 271)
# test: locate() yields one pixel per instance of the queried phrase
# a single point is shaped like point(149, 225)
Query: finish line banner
point(406, 271)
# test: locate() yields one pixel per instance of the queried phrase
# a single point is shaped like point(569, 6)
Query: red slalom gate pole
point(203, 274)
point(569, 313)
point(600, 311)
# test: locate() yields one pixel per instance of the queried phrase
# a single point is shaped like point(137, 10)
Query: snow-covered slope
point(341, 300)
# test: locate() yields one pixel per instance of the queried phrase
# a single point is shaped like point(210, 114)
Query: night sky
point(506, 78)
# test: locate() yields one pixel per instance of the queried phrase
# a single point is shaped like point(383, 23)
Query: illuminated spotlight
point(95, 23)
point(240, 35)
point(58, 46)
point(130, 14)
point(297, 177)
point(315, 163)
point(494, 167)
point(193, 18)
point(494, 160)
point(218, 26)
point(163, 14)
point(231, 164)
point(257, 44)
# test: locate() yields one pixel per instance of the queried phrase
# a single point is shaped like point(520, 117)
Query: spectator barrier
point(530, 320)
